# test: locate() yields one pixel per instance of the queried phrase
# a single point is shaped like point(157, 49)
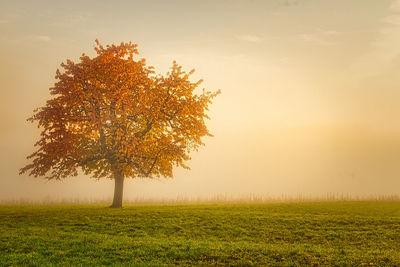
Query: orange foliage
point(112, 114)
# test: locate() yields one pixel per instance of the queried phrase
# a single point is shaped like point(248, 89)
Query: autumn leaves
point(113, 113)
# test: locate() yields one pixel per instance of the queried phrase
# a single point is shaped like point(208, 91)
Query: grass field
point(291, 234)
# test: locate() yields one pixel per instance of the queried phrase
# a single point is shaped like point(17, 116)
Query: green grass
point(293, 234)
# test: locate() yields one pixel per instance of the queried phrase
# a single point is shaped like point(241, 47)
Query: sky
point(310, 98)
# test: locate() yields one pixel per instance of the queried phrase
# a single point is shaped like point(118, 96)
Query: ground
point(285, 234)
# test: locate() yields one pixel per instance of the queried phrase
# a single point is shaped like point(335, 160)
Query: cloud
point(41, 38)
point(316, 39)
point(74, 20)
point(289, 2)
point(393, 19)
point(320, 36)
point(249, 38)
point(395, 5)
point(387, 42)
point(328, 32)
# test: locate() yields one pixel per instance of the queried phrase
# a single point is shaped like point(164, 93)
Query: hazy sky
point(310, 99)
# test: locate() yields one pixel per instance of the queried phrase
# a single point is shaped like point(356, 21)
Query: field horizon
point(216, 199)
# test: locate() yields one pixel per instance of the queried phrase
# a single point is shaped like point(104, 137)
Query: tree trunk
point(118, 189)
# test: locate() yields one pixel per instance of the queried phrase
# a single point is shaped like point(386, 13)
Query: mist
point(309, 104)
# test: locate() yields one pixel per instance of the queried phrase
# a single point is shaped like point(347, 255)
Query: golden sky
point(310, 99)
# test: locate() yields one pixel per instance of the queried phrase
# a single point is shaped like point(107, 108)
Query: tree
point(112, 116)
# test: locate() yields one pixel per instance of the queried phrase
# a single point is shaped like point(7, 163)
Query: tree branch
point(145, 131)
point(152, 165)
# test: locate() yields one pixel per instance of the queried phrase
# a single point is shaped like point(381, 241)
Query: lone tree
point(112, 116)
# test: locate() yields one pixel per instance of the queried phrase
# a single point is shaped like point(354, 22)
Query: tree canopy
point(112, 115)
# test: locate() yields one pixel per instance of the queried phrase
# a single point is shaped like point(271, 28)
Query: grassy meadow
point(348, 233)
